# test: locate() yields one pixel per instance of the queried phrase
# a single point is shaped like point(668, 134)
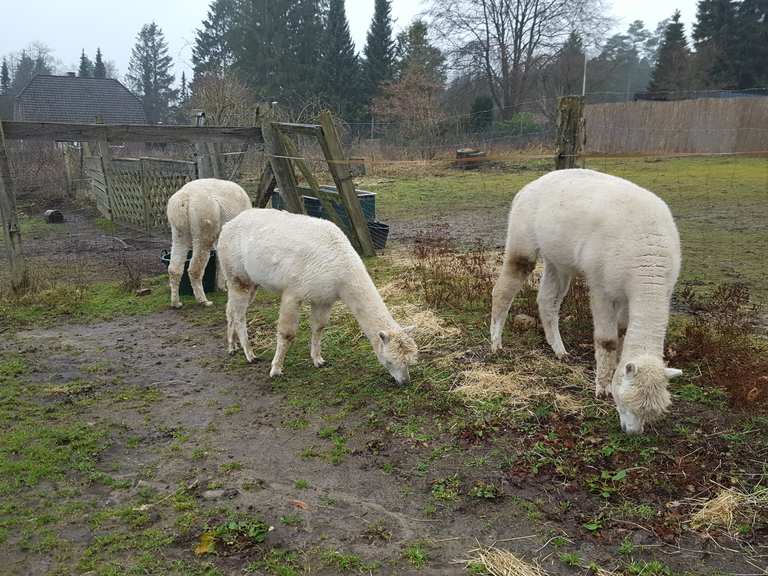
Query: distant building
point(77, 100)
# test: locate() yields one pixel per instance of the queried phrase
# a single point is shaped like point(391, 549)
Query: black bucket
point(379, 234)
point(209, 277)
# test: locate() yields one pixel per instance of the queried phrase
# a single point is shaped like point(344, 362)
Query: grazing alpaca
point(623, 240)
point(305, 259)
point(196, 214)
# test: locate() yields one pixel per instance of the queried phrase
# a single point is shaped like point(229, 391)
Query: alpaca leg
point(552, 289)
point(287, 325)
point(221, 282)
point(514, 273)
point(605, 319)
point(201, 252)
point(179, 250)
point(238, 300)
point(318, 320)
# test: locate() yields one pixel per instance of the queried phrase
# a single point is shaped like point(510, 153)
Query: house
point(77, 100)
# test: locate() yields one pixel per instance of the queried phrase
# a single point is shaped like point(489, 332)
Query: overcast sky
point(68, 27)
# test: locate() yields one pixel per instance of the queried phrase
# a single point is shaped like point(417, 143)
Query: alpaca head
point(640, 392)
point(396, 350)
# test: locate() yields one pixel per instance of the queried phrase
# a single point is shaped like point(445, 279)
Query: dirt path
point(183, 415)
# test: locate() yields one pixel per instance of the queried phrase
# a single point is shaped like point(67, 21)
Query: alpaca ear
point(672, 373)
point(409, 329)
point(384, 337)
point(630, 370)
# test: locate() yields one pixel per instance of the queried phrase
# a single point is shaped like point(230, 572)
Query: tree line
point(488, 60)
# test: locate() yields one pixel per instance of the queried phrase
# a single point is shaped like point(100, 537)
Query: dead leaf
point(206, 544)
point(299, 504)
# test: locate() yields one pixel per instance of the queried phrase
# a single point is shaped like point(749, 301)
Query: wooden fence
point(706, 126)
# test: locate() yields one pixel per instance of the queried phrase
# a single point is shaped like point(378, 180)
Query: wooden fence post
point(201, 150)
point(282, 168)
point(570, 125)
point(345, 185)
point(9, 220)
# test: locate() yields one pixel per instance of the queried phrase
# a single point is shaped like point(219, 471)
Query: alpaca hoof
point(207, 303)
point(275, 372)
point(319, 363)
point(562, 355)
point(176, 305)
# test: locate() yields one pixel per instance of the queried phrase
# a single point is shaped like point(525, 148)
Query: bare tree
point(225, 100)
point(510, 40)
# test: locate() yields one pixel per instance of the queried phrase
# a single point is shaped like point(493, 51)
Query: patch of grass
point(416, 554)
point(447, 489)
point(230, 467)
point(293, 520)
point(232, 410)
point(278, 562)
point(301, 484)
point(570, 559)
point(341, 561)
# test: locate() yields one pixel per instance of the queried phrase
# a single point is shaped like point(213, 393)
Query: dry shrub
point(523, 385)
point(721, 340)
point(498, 562)
point(730, 508)
point(449, 278)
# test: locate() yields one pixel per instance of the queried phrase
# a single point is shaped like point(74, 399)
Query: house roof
point(78, 100)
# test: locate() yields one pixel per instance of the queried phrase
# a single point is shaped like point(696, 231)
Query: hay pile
point(729, 508)
point(522, 385)
point(498, 562)
point(432, 332)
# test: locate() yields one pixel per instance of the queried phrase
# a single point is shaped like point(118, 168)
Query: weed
point(416, 554)
point(341, 561)
point(485, 491)
point(377, 531)
point(230, 467)
point(447, 489)
point(627, 547)
point(291, 520)
point(653, 568)
point(301, 484)
point(571, 559)
point(232, 410)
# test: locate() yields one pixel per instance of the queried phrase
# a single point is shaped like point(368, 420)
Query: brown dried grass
point(522, 385)
point(729, 508)
point(499, 562)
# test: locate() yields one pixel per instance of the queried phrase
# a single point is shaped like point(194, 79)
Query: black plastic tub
point(379, 234)
point(209, 277)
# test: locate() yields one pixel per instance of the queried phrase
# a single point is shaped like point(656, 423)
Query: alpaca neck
point(364, 301)
point(647, 329)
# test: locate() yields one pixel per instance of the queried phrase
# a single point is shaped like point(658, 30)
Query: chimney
point(71, 74)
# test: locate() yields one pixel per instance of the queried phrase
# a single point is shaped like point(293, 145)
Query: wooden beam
point(62, 132)
point(345, 185)
point(9, 221)
point(325, 198)
point(283, 170)
point(267, 185)
point(302, 129)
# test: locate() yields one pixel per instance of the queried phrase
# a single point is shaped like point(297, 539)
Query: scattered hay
point(431, 332)
point(498, 562)
point(728, 508)
point(522, 385)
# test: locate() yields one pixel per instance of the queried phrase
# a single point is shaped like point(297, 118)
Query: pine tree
point(379, 49)
point(481, 117)
point(340, 66)
point(414, 50)
point(716, 39)
point(5, 78)
point(25, 71)
point(261, 48)
point(671, 74)
point(149, 73)
point(99, 69)
point(213, 51)
point(86, 66)
point(301, 77)
point(751, 50)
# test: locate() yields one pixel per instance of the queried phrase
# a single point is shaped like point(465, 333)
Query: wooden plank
point(312, 130)
point(9, 221)
point(108, 171)
point(325, 198)
point(63, 132)
point(267, 185)
point(213, 158)
point(345, 185)
point(283, 170)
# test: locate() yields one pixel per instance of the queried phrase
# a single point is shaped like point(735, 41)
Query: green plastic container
point(209, 277)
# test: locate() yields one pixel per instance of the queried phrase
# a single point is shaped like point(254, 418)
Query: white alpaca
point(311, 260)
point(196, 214)
point(623, 240)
